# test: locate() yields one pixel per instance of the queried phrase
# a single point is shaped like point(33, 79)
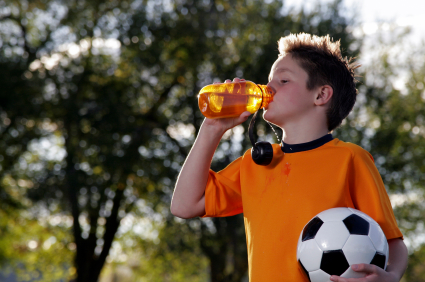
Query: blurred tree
point(31, 252)
point(98, 111)
point(30, 248)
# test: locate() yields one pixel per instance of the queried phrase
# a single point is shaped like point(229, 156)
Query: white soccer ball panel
point(378, 239)
point(332, 235)
point(335, 214)
point(310, 255)
point(365, 216)
point(299, 245)
point(319, 276)
point(350, 273)
point(359, 249)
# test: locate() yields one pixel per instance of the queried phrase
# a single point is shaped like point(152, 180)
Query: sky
point(404, 13)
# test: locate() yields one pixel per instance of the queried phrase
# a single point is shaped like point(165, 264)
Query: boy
point(310, 171)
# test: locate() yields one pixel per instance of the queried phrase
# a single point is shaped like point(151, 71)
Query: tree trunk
point(226, 249)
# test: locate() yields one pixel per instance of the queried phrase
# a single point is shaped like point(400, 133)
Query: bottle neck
point(267, 95)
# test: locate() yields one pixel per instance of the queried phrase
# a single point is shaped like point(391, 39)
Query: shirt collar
point(295, 148)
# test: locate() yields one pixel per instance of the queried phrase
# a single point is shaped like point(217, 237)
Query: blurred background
point(98, 110)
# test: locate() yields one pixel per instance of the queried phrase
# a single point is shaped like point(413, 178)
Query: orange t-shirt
point(279, 199)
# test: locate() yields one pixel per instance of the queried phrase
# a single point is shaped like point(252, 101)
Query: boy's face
point(292, 100)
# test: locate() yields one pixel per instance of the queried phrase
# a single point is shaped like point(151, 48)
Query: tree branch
point(150, 115)
point(111, 228)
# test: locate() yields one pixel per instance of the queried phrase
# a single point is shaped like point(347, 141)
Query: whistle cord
point(251, 129)
point(277, 136)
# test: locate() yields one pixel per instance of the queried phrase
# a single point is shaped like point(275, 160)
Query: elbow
point(182, 215)
point(181, 212)
point(178, 212)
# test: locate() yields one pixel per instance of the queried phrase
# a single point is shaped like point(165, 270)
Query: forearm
point(188, 198)
point(397, 261)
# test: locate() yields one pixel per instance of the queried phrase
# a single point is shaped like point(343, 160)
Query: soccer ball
point(336, 239)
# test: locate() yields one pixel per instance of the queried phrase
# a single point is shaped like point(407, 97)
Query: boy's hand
point(373, 273)
point(223, 124)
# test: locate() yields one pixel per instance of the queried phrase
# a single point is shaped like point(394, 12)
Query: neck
point(297, 134)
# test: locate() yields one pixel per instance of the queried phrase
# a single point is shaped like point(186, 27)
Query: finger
point(245, 115)
point(337, 279)
point(236, 79)
point(227, 81)
point(340, 279)
point(364, 267)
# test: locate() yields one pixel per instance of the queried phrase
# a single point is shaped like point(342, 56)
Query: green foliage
point(111, 86)
point(98, 110)
point(30, 248)
point(176, 255)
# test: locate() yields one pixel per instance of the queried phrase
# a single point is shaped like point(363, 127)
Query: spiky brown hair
point(321, 58)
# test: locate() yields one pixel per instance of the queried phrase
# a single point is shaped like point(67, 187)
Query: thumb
point(243, 117)
point(367, 268)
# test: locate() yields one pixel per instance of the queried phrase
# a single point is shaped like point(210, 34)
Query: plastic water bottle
point(231, 99)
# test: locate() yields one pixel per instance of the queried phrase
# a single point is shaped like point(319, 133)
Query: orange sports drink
point(231, 99)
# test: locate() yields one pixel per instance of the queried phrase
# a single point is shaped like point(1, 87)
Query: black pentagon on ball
point(305, 270)
point(310, 230)
point(356, 225)
point(379, 260)
point(334, 262)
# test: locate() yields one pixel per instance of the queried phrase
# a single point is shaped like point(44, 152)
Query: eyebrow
point(279, 70)
point(283, 70)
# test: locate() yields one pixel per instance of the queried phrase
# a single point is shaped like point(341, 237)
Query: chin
point(273, 119)
point(267, 116)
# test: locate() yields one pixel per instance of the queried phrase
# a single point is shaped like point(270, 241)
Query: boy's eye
point(283, 81)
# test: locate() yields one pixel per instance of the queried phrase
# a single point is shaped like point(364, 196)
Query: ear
point(324, 95)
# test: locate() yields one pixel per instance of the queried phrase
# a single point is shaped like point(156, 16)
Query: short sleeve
point(369, 194)
point(223, 191)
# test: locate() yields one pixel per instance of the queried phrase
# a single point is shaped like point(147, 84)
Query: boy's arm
point(397, 264)
point(397, 261)
point(188, 199)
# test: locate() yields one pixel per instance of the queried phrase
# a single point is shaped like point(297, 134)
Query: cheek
point(292, 95)
point(297, 96)
point(291, 99)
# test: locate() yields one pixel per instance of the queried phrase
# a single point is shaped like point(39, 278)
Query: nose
point(271, 86)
